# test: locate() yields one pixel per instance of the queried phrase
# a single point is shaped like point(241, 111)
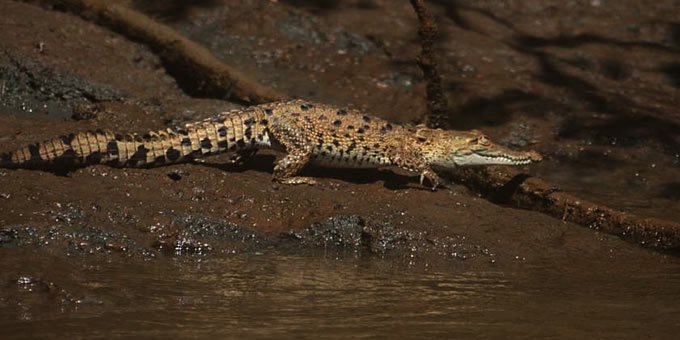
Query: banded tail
point(228, 132)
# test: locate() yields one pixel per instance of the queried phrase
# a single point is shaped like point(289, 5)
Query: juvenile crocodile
point(308, 133)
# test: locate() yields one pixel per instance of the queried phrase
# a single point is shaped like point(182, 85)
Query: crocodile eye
point(482, 140)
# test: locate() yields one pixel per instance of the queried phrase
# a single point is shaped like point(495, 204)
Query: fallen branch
point(437, 115)
point(195, 68)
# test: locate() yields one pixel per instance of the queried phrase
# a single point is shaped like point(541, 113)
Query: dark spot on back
point(35, 153)
point(140, 154)
point(264, 121)
point(366, 119)
point(336, 142)
point(248, 133)
point(305, 107)
point(342, 112)
point(329, 147)
point(322, 117)
point(186, 141)
point(94, 158)
point(250, 121)
point(172, 154)
point(112, 148)
point(68, 139)
point(360, 130)
point(222, 131)
point(159, 160)
point(269, 112)
point(69, 155)
point(205, 143)
point(337, 122)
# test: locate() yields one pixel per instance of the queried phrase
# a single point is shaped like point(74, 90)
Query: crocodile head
point(450, 149)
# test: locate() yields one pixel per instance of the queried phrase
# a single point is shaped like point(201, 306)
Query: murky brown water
point(276, 294)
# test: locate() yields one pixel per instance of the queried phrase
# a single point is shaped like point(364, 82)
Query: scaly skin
point(307, 132)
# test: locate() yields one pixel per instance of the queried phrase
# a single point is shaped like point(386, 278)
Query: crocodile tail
point(228, 132)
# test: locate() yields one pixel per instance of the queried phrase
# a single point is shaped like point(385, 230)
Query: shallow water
point(274, 294)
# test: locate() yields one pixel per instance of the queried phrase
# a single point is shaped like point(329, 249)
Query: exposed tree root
point(437, 106)
point(195, 68)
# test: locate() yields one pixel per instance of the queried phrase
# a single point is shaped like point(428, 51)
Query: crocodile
point(307, 132)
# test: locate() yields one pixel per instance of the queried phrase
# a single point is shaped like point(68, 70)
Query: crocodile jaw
point(497, 158)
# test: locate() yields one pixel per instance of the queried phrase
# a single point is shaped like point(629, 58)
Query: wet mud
point(213, 248)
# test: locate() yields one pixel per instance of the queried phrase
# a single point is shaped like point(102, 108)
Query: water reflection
point(273, 295)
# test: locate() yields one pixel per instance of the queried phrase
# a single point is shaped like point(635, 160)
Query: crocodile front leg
point(413, 162)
